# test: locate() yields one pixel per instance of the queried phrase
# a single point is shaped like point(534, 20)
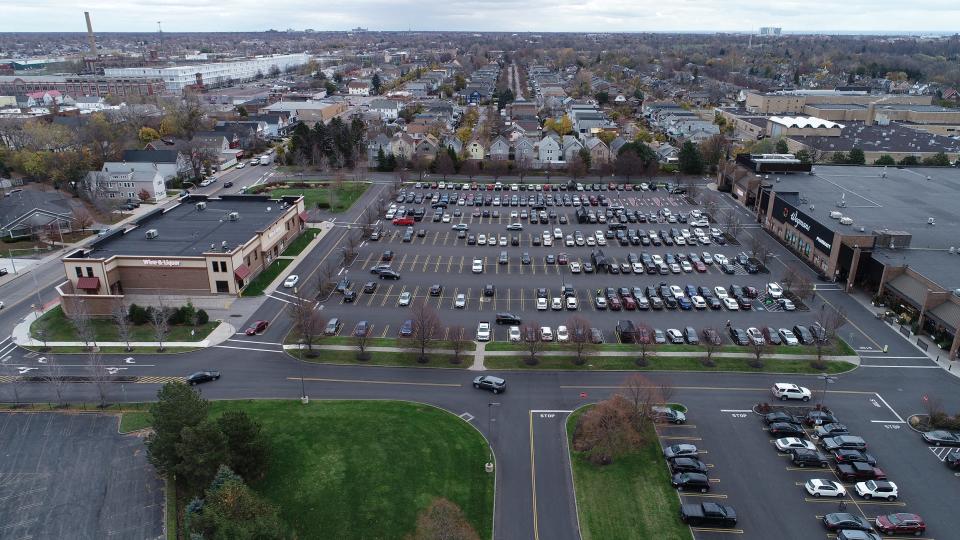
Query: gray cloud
point(483, 15)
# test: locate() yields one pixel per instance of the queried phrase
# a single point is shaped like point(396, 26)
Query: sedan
point(667, 414)
point(687, 464)
point(787, 305)
point(901, 523)
point(291, 281)
point(406, 329)
point(461, 301)
point(941, 437)
point(731, 304)
point(202, 377)
point(756, 337)
point(787, 336)
point(258, 327)
point(842, 520)
point(818, 487)
point(698, 302)
point(787, 444)
point(404, 299)
point(514, 333)
point(680, 450)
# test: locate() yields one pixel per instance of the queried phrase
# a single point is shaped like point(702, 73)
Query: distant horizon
point(860, 17)
point(878, 33)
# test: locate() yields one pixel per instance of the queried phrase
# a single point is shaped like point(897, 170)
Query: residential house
point(599, 152)
point(388, 109)
point(24, 212)
point(571, 147)
point(375, 145)
point(667, 153)
point(454, 143)
point(278, 124)
point(418, 89)
point(122, 181)
point(427, 147)
point(402, 146)
point(475, 149)
point(548, 149)
point(215, 144)
point(525, 150)
point(500, 149)
point(615, 145)
point(170, 163)
point(358, 88)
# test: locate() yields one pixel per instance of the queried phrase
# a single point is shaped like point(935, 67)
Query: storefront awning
point(242, 272)
point(947, 314)
point(909, 288)
point(88, 283)
point(303, 216)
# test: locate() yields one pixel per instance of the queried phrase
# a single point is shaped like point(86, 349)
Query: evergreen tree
point(248, 452)
point(690, 160)
point(856, 157)
point(178, 408)
point(376, 83)
point(782, 146)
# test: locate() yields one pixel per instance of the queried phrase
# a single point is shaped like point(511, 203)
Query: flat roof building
point(214, 74)
point(200, 247)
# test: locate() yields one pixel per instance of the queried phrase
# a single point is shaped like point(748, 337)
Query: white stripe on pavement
point(895, 366)
point(247, 348)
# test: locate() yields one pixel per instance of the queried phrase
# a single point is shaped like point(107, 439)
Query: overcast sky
point(482, 15)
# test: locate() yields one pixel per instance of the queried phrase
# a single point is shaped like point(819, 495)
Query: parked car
point(877, 489)
point(843, 441)
point(333, 327)
point(685, 464)
point(680, 450)
point(859, 471)
point(406, 328)
point(830, 430)
point(778, 416)
point(803, 457)
point(940, 437)
point(845, 455)
point(901, 523)
point(667, 414)
point(786, 429)
point(202, 377)
point(489, 382)
point(843, 520)
point(362, 329)
point(853, 534)
point(818, 418)
point(691, 481)
point(818, 487)
point(709, 514)
point(483, 331)
point(787, 336)
point(787, 444)
point(258, 327)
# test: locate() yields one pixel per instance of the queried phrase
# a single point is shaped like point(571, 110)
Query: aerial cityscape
point(498, 271)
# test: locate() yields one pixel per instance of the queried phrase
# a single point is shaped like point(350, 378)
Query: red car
point(902, 523)
point(403, 221)
point(563, 259)
point(257, 327)
point(629, 303)
point(700, 267)
point(614, 303)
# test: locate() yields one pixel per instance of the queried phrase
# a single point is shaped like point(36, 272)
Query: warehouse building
point(214, 74)
point(200, 247)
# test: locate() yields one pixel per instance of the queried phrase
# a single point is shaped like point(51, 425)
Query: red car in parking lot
point(257, 327)
point(901, 523)
point(403, 221)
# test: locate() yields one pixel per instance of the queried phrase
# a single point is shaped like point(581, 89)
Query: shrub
point(202, 317)
point(139, 314)
point(819, 364)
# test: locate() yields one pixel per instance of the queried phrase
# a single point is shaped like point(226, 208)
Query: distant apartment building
point(82, 85)
point(120, 181)
point(214, 74)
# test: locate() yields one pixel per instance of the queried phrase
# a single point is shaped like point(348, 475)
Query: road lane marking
point(247, 348)
point(889, 407)
point(367, 381)
point(533, 481)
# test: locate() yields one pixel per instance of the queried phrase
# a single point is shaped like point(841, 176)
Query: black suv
point(691, 481)
point(507, 318)
point(739, 336)
point(803, 457)
point(489, 382)
point(686, 464)
point(389, 274)
point(803, 334)
point(436, 290)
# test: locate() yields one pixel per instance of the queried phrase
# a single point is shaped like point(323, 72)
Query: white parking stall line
point(280, 299)
point(891, 366)
point(940, 451)
point(889, 407)
point(257, 342)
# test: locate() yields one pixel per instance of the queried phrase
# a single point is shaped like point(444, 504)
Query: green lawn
point(660, 364)
point(400, 359)
point(263, 279)
point(298, 245)
point(377, 342)
point(363, 469)
point(134, 420)
point(115, 350)
point(319, 197)
point(59, 328)
point(630, 499)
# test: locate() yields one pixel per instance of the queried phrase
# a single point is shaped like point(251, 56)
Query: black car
point(846, 455)
point(691, 481)
point(739, 336)
point(819, 418)
point(803, 334)
point(489, 290)
point(778, 416)
point(202, 377)
point(953, 459)
point(508, 318)
point(785, 429)
point(436, 289)
point(342, 285)
point(803, 457)
point(830, 430)
point(940, 437)
point(685, 464)
point(728, 268)
point(349, 296)
point(369, 287)
point(228, 184)
point(389, 274)
point(837, 442)
point(842, 520)
point(489, 382)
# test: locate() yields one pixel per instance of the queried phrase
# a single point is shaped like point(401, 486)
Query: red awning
point(88, 283)
point(242, 272)
point(303, 216)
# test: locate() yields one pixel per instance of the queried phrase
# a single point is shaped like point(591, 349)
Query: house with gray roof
point(23, 212)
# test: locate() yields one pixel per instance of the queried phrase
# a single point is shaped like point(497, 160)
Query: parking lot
point(767, 489)
point(441, 255)
point(74, 476)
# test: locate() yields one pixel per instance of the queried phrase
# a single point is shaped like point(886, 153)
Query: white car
point(686, 267)
point(546, 334)
point(206, 182)
point(568, 241)
point(638, 268)
point(461, 301)
point(241, 165)
point(503, 240)
point(699, 302)
point(721, 292)
point(445, 218)
point(785, 391)
point(601, 241)
point(562, 334)
point(755, 336)
point(787, 305)
point(477, 266)
point(557, 234)
point(481, 239)
point(291, 281)
point(786, 335)
point(720, 258)
point(675, 268)
point(731, 304)
point(575, 267)
point(774, 290)
point(572, 303)
point(818, 487)
point(591, 241)
point(514, 333)
point(556, 304)
point(787, 444)
point(405, 298)
point(676, 291)
point(707, 257)
point(483, 331)
point(541, 304)
point(879, 489)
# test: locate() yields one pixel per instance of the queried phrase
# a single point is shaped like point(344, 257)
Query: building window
point(223, 286)
point(223, 266)
point(79, 271)
point(246, 260)
point(89, 271)
point(216, 268)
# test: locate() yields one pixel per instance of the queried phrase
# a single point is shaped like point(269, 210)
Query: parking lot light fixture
point(827, 379)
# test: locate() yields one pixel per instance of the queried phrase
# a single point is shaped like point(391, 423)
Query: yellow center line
point(367, 381)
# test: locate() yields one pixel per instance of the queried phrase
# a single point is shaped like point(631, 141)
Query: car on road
point(786, 444)
point(819, 487)
point(228, 184)
point(687, 464)
point(691, 481)
point(787, 336)
point(843, 441)
point(940, 437)
point(483, 331)
point(202, 377)
point(514, 333)
point(803, 457)
point(877, 489)
point(489, 382)
point(406, 328)
point(785, 391)
point(843, 520)
point(258, 327)
point(667, 414)
point(785, 429)
point(680, 450)
point(901, 523)
point(460, 301)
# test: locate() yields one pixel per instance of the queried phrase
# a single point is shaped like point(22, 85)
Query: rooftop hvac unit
point(956, 292)
point(835, 215)
point(931, 221)
point(846, 221)
point(953, 250)
point(234, 216)
point(152, 233)
point(223, 245)
point(201, 205)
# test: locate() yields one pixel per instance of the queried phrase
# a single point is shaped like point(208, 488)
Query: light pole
point(827, 379)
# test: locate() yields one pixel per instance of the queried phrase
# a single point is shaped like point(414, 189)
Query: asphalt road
point(534, 497)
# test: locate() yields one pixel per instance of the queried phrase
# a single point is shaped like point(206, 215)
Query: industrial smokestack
point(90, 40)
point(871, 113)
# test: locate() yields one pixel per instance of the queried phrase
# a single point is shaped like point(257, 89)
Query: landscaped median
point(381, 352)
point(660, 363)
point(317, 194)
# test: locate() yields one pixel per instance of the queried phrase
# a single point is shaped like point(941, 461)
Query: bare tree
point(759, 350)
point(710, 206)
point(82, 219)
point(711, 344)
point(421, 165)
point(99, 376)
point(353, 240)
point(121, 319)
point(41, 330)
point(759, 249)
point(647, 345)
point(54, 376)
point(83, 324)
point(829, 321)
point(325, 275)
point(160, 322)
point(306, 321)
point(361, 342)
point(457, 335)
point(643, 394)
point(803, 287)
point(732, 225)
point(530, 334)
point(426, 327)
point(579, 329)
point(789, 278)
point(576, 168)
point(521, 166)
